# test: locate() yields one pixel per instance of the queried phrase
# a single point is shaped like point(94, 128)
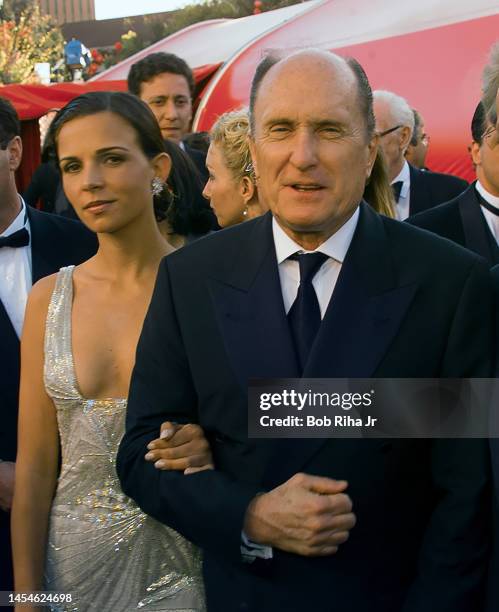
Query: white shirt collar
point(405, 176)
point(19, 222)
point(488, 197)
point(336, 246)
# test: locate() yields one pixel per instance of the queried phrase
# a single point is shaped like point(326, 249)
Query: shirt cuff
point(251, 551)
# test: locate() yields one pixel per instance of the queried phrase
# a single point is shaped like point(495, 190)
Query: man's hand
point(307, 515)
point(180, 447)
point(7, 472)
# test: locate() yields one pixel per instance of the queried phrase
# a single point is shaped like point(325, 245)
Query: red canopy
point(34, 101)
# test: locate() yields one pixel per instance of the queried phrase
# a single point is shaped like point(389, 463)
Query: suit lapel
point(363, 316)
point(43, 249)
point(419, 193)
point(477, 235)
point(250, 310)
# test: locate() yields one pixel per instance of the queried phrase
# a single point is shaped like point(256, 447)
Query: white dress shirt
point(15, 273)
point(402, 206)
point(324, 281)
point(492, 220)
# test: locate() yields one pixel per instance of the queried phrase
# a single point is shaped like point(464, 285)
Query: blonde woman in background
point(231, 186)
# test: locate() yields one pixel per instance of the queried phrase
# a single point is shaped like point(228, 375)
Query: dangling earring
point(245, 212)
point(157, 186)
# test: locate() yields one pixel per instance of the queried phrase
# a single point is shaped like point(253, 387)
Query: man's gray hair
point(399, 108)
point(490, 83)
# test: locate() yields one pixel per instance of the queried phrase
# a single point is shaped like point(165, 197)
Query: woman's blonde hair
point(378, 191)
point(230, 133)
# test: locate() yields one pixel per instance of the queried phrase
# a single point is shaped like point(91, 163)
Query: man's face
point(416, 154)
point(486, 160)
point(393, 143)
point(169, 98)
point(311, 152)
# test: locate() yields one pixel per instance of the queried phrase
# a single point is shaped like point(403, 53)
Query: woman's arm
point(38, 449)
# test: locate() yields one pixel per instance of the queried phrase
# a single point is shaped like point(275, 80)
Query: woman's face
point(223, 190)
point(106, 175)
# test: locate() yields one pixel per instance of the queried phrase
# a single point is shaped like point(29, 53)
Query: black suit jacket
point(462, 221)
point(403, 306)
point(428, 189)
point(55, 242)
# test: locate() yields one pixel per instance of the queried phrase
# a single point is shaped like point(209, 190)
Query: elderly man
point(414, 190)
point(472, 219)
point(32, 245)
point(321, 286)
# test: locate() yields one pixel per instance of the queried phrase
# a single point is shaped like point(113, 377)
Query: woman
point(231, 186)
point(78, 346)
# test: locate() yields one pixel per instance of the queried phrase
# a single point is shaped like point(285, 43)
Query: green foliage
point(26, 38)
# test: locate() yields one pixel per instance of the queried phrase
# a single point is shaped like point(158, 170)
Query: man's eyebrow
point(278, 121)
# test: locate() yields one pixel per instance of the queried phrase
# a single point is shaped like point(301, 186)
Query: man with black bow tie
point(415, 190)
point(472, 219)
point(32, 245)
point(321, 286)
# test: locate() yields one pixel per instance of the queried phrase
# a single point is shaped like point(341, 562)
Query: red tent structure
point(432, 52)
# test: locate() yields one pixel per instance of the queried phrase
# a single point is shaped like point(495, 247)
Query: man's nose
point(305, 149)
point(171, 110)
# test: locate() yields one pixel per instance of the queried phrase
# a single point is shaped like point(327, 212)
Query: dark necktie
point(305, 314)
point(15, 240)
point(397, 188)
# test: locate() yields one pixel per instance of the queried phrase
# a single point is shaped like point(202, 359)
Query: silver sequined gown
point(102, 548)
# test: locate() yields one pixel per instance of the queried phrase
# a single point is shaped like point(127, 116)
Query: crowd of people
point(303, 236)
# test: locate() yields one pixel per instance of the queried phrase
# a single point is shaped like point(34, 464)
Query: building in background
point(68, 11)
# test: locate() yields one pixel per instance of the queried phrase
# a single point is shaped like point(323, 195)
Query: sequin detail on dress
point(102, 548)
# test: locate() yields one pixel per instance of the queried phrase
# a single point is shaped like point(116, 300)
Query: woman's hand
point(180, 447)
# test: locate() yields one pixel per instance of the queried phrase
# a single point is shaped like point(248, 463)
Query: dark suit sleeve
point(207, 507)
point(455, 550)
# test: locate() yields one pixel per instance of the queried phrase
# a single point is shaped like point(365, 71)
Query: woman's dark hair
point(174, 207)
point(190, 212)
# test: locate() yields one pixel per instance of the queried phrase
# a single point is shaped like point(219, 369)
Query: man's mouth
point(306, 186)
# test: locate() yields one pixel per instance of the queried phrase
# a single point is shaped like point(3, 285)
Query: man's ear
point(405, 137)
point(476, 154)
point(162, 165)
point(15, 149)
point(372, 152)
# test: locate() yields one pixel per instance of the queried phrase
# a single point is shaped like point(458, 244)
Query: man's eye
point(159, 102)
point(331, 131)
point(279, 130)
point(180, 102)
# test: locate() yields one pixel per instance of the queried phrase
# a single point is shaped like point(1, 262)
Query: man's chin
point(173, 135)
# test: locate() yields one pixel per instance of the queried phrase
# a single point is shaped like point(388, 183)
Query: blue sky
point(107, 9)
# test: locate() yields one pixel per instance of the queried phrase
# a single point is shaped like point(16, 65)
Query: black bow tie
point(487, 205)
point(397, 188)
point(15, 240)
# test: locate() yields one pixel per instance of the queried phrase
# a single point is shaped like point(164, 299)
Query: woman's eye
point(113, 160)
point(70, 168)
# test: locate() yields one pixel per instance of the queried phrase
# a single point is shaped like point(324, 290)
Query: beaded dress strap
point(58, 346)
